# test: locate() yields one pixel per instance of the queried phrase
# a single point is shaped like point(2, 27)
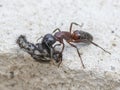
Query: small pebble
point(114, 44)
point(112, 68)
point(112, 31)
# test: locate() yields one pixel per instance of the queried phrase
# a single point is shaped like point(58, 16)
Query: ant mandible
point(76, 36)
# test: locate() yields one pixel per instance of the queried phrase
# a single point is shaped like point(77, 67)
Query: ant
point(42, 52)
point(76, 36)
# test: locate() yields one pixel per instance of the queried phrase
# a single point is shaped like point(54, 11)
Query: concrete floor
point(35, 18)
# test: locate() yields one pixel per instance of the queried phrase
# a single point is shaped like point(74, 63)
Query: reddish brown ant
point(76, 37)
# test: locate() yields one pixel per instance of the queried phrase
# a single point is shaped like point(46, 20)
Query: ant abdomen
point(82, 36)
point(85, 37)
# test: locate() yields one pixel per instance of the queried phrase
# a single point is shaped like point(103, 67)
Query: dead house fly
point(76, 36)
point(42, 52)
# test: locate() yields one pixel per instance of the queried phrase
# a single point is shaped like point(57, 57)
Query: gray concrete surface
point(34, 18)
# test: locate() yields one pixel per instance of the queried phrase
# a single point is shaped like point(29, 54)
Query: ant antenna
point(80, 25)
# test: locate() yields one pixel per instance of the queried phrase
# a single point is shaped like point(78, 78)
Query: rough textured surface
point(35, 18)
point(24, 73)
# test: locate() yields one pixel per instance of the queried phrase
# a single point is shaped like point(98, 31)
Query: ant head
point(48, 39)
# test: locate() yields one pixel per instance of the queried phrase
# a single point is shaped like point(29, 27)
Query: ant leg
point(62, 47)
point(56, 30)
point(60, 56)
point(93, 44)
point(78, 53)
point(75, 24)
point(59, 61)
point(51, 56)
point(100, 47)
point(56, 45)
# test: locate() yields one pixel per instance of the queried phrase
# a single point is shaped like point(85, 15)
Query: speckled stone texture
point(35, 18)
